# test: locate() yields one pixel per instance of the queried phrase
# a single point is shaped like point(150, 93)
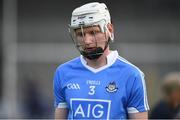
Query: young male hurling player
point(99, 84)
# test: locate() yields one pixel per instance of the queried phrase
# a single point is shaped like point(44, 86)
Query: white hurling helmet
point(91, 14)
point(88, 15)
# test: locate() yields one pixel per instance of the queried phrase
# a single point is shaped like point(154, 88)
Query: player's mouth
point(90, 49)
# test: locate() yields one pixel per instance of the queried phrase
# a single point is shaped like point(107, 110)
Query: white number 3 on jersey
point(92, 90)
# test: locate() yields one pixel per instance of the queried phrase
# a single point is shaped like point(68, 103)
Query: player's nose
point(88, 39)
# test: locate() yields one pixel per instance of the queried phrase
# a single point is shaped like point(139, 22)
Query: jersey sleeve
point(59, 101)
point(137, 101)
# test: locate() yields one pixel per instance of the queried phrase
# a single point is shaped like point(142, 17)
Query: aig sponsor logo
point(90, 108)
point(73, 86)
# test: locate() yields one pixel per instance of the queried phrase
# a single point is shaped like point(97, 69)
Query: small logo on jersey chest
point(73, 86)
point(111, 87)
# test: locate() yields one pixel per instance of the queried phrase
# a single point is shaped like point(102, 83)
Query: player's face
point(89, 38)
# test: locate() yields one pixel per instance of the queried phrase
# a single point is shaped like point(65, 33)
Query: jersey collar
point(111, 58)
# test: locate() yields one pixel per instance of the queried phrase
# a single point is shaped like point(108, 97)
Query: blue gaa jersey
point(109, 92)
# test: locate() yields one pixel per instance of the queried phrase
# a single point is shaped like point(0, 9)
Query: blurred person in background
point(169, 105)
point(35, 108)
point(99, 84)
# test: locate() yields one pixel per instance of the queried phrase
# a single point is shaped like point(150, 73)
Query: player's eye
point(79, 34)
point(94, 32)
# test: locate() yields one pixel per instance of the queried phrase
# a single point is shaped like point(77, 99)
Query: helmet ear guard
point(111, 34)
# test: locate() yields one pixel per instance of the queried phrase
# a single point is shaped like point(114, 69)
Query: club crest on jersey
point(111, 87)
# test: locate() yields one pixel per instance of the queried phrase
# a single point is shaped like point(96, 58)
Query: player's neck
point(101, 61)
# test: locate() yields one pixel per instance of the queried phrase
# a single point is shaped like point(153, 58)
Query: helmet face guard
point(79, 41)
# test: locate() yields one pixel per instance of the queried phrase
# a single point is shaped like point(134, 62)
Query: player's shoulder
point(130, 67)
point(69, 64)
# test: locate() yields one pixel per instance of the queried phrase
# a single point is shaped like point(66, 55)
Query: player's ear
point(110, 27)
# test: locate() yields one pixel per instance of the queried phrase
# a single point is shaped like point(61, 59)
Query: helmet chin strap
point(95, 54)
